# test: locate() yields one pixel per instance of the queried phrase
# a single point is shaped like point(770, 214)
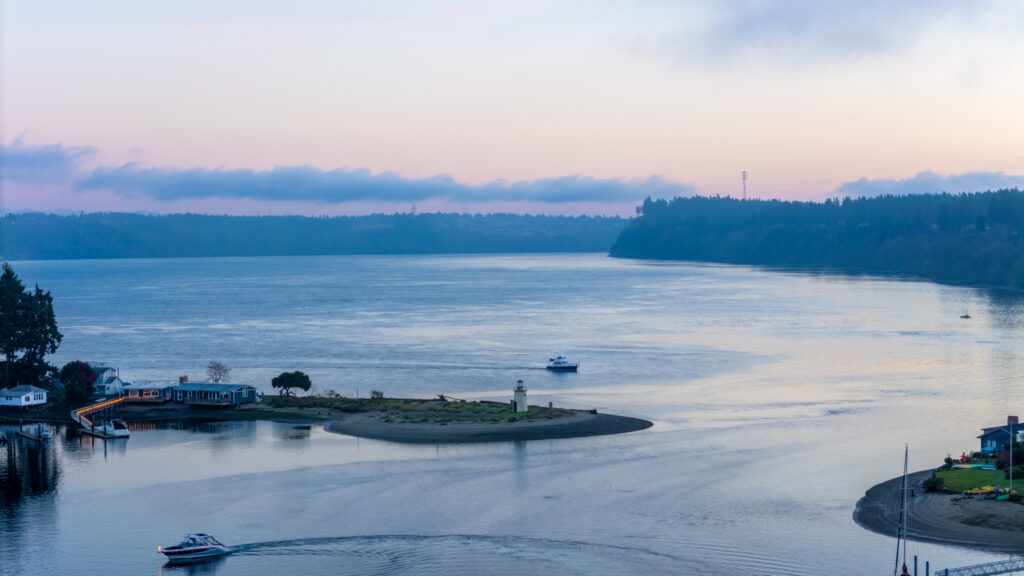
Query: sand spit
point(573, 424)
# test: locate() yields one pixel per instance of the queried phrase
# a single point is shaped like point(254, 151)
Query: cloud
point(800, 31)
point(308, 184)
point(41, 164)
point(929, 182)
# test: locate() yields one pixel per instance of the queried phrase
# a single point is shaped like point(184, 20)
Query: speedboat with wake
point(194, 548)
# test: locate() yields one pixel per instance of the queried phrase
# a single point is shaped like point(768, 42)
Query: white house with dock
point(150, 392)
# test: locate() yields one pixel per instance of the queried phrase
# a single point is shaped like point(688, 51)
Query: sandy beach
point(934, 517)
point(572, 424)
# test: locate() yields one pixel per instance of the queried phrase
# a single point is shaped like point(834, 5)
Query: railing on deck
point(989, 569)
point(79, 415)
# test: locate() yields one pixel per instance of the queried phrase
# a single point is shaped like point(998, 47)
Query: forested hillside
point(120, 235)
point(960, 238)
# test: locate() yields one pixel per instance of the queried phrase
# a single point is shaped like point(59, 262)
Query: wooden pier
point(85, 424)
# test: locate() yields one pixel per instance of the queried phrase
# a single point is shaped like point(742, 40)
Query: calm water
point(778, 398)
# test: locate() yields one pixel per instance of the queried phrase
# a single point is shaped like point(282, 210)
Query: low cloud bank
point(41, 164)
point(305, 183)
point(45, 164)
point(929, 182)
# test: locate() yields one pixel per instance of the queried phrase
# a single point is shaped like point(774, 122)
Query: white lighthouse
point(519, 403)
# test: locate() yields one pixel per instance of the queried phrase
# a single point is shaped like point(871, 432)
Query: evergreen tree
point(28, 330)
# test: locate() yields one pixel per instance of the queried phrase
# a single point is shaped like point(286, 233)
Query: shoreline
point(173, 411)
point(994, 526)
point(573, 424)
point(378, 425)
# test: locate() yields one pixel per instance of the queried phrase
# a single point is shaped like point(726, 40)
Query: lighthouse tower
point(519, 404)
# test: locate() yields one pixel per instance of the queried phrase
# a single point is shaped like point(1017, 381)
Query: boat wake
point(466, 554)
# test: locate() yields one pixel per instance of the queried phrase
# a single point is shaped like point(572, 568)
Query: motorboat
point(194, 548)
point(560, 364)
point(115, 428)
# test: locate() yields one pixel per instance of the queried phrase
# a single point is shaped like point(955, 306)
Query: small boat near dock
point(561, 364)
point(38, 432)
point(194, 548)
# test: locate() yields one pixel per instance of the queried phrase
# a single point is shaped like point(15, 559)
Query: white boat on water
point(560, 364)
point(194, 548)
point(116, 428)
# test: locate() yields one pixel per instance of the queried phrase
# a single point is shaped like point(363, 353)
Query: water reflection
point(293, 433)
point(208, 567)
point(29, 468)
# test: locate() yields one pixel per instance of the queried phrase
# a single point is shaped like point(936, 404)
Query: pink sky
point(806, 97)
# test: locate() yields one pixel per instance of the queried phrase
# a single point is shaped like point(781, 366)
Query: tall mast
point(906, 489)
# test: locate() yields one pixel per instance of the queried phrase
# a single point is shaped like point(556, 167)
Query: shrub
point(934, 484)
point(376, 395)
point(948, 463)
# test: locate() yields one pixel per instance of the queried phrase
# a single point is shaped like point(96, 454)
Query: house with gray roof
point(22, 396)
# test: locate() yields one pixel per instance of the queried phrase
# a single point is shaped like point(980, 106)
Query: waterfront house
point(996, 438)
point(149, 392)
point(108, 380)
point(22, 396)
point(206, 394)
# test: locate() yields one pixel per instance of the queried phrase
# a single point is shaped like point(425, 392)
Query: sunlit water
point(778, 399)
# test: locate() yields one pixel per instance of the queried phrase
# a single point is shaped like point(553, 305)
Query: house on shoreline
point(22, 396)
point(149, 392)
point(108, 380)
point(207, 394)
point(995, 438)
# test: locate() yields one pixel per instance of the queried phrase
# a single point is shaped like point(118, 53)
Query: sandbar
point(992, 525)
point(572, 424)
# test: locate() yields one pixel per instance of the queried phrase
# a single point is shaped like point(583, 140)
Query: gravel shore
point(943, 518)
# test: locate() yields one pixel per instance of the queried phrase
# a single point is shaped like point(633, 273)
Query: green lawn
point(960, 480)
point(415, 410)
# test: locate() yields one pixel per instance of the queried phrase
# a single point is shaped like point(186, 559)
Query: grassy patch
point(415, 410)
point(960, 480)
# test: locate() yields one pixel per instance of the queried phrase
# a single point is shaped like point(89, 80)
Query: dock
point(85, 424)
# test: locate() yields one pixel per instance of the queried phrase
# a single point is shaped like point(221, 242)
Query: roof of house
point(994, 429)
point(19, 390)
point(149, 385)
point(208, 387)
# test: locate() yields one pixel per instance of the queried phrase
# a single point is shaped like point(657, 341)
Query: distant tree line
point(969, 238)
point(122, 235)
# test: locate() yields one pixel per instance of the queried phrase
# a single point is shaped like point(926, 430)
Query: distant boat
point(116, 428)
point(39, 432)
point(560, 364)
point(194, 548)
point(965, 316)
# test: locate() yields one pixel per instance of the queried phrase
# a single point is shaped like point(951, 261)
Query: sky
point(557, 107)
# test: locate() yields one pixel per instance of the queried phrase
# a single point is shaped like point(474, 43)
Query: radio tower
point(744, 184)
